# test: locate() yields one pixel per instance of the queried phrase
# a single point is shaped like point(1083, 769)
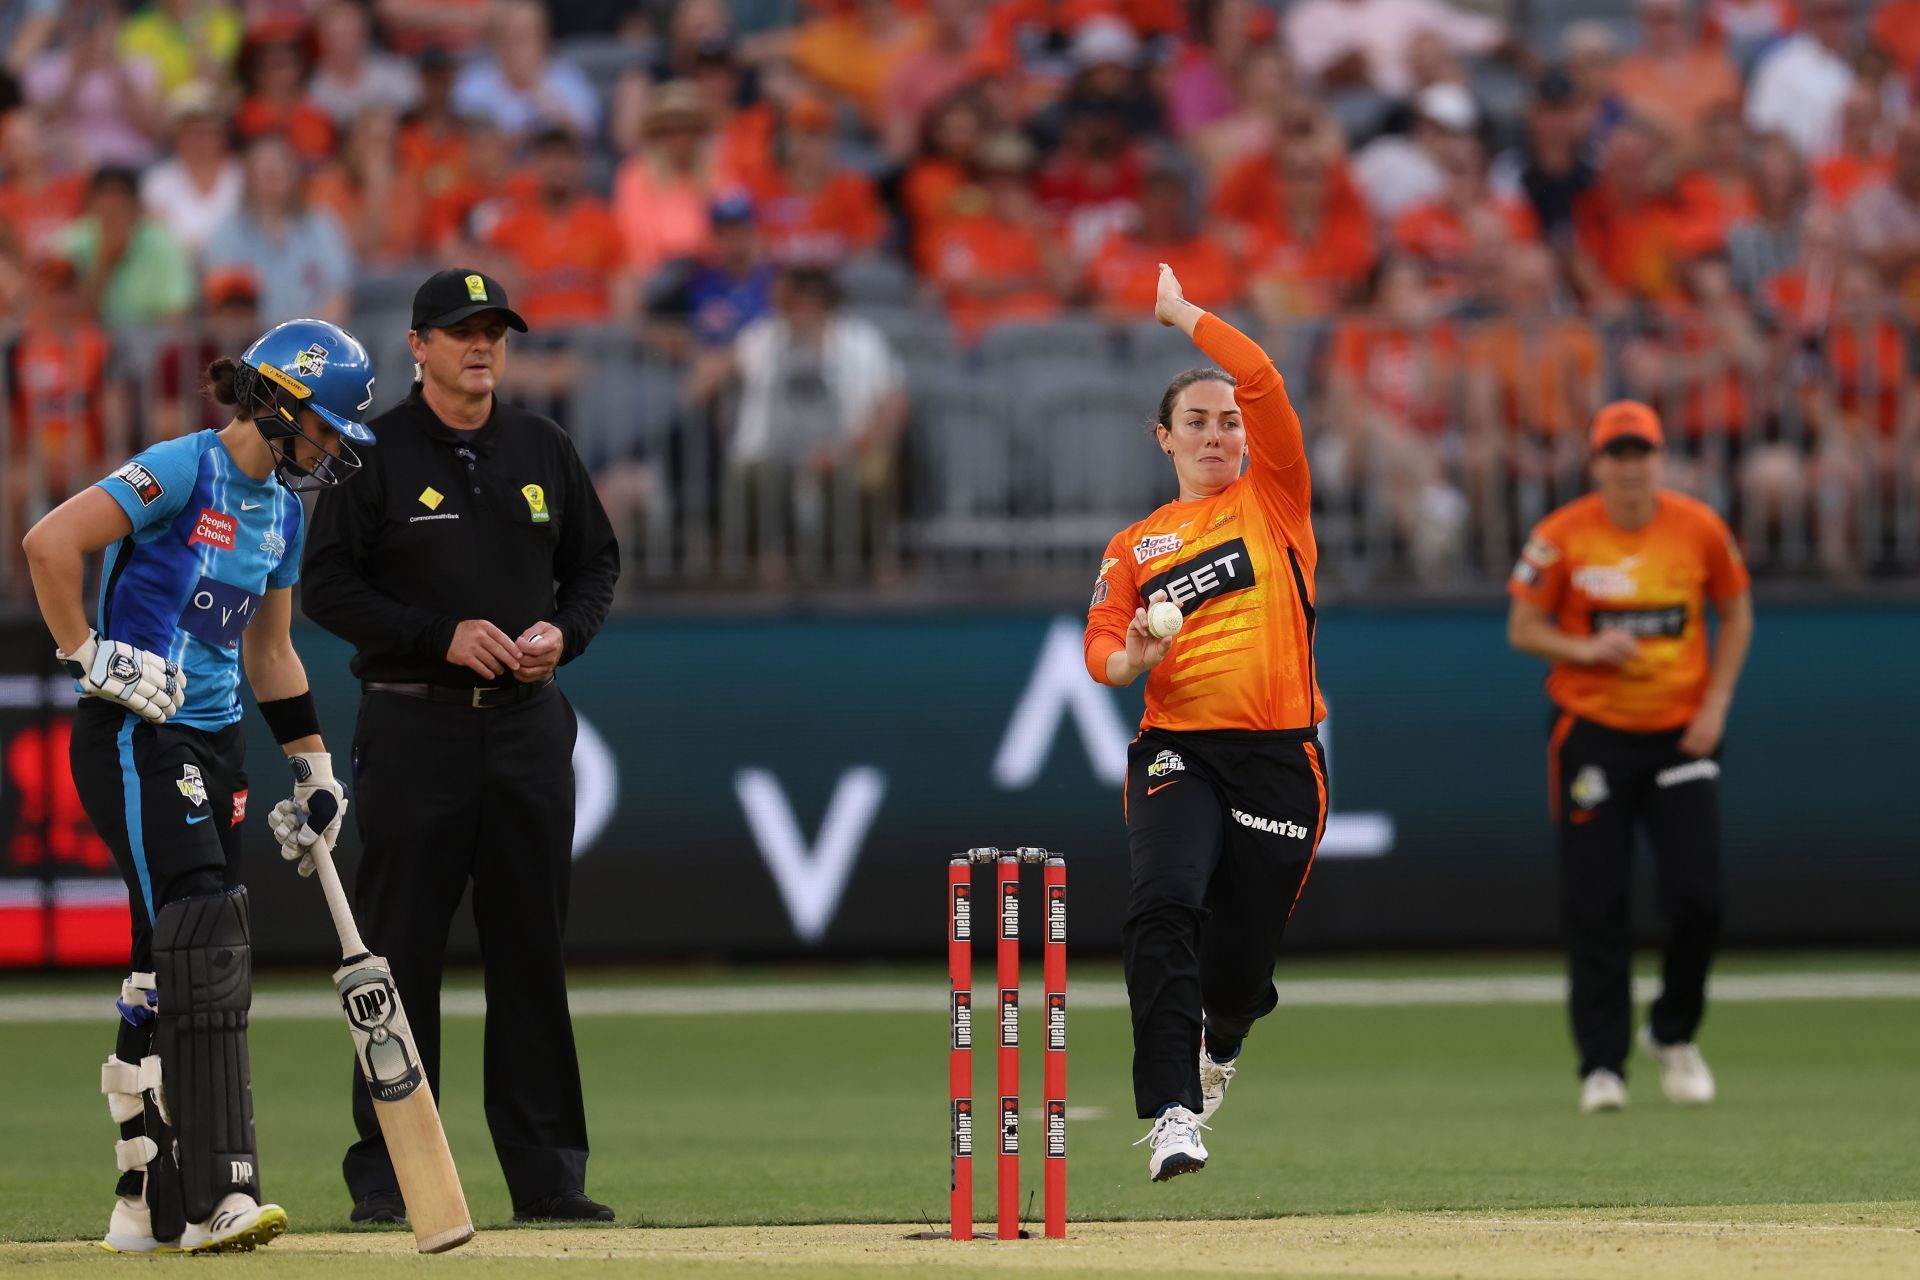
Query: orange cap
point(1626, 420)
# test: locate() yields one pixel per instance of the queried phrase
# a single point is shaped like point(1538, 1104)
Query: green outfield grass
point(841, 1117)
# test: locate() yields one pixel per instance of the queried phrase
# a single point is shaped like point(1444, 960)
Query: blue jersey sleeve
point(154, 487)
point(294, 531)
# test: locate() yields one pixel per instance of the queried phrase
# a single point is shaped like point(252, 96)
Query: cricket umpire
point(472, 560)
point(1612, 590)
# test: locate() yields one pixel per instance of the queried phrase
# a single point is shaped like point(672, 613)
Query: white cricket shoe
point(238, 1225)
point(1684, 1077)
point(1214, 1079)
point(1602, 1090)
point(130, 1230)
point(1176, 1146)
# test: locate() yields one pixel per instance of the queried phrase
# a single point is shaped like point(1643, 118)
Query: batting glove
point(142, 682)
point(314, 813)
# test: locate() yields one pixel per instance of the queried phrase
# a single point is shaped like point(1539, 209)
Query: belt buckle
point(479, 705)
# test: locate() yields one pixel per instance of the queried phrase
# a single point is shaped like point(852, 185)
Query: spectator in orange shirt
point(458, 219)
point(432, 146)
point(274, 65)
point(1864, 155)
point(1393, 400)
point(663, 191)
point(1717, 193)
point(380, 213)
point(1319, 245)
point(36, 204)
point(1626, 229)
point(1253, 194)
point(61, 405)
point(1534, 378)
point(939, 69)
point(852, 52)
point(1437, 233)
point(1863, 402)
point(994, 264)
point(811, 209)
point(561, 250)
point(942, 170)
point(1700, 363)
point(1896, 29)
point(1124, 272)
point(1674, 80)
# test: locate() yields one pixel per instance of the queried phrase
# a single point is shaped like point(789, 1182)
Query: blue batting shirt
point(208, 542)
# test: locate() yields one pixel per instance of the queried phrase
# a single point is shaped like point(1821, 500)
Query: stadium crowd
point(1472, 226)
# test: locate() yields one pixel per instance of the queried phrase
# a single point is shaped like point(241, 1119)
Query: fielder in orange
point(1226, 792)
point(1612, 589)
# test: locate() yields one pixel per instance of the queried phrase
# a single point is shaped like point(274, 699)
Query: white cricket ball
point(1164, 619)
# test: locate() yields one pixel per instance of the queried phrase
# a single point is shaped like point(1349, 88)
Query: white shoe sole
point(1175, 1165)
point(271, 1223)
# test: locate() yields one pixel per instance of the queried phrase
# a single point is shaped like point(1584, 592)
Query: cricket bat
point(402, 1098)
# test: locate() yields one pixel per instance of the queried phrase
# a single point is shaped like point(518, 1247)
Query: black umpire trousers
point(1221, 831)
point(444, 795)
point(1603, 782)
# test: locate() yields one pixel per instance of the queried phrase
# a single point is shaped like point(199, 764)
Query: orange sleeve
point(1540, 574)
point(1275, 443)
point(857, 211)
point(1727, 574)
point(1115, 597)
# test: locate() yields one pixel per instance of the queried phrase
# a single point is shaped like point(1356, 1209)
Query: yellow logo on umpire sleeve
point(536, 502)
point(476, 289)
point(431, 498)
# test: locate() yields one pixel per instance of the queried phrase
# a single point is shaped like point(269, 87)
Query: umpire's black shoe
point(563, 1206)
point(380, 1209)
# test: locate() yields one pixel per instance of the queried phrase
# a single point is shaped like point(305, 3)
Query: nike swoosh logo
point(1162, 787)
point(249, 506)
point(202, 818)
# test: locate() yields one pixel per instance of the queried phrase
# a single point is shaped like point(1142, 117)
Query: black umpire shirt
point(440, 526)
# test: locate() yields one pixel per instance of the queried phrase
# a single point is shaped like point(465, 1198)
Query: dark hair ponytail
point(219, 387)
point(1205, 373)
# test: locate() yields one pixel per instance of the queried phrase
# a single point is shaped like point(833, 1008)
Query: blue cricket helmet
point(309, 364)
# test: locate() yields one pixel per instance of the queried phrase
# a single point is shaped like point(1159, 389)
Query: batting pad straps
point(203, 958)
point(291, 719)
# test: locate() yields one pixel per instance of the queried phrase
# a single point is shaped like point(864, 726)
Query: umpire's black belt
point(479, 699)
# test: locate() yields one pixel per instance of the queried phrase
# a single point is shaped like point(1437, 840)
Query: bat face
point(409, 1120)
point(381, 1036)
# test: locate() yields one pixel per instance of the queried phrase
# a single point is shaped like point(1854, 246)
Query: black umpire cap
point(450, 296)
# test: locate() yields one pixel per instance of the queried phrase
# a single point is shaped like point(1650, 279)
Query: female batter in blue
point(201, 539)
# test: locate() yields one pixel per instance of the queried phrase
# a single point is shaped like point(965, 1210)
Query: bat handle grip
point(329, 877)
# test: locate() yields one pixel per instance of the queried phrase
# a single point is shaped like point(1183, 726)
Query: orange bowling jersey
point(1239, 564)
point(1653, 582)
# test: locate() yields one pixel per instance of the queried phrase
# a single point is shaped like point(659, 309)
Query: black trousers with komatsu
point(1603, 783)
point(1221, 832)
point(169, 800)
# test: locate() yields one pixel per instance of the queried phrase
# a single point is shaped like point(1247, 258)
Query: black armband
point(292, 719)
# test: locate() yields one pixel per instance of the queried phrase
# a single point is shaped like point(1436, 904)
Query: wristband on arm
point(292, 719)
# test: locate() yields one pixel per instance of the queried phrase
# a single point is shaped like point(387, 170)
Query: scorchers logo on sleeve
point(1100, 586)
point(1537, 555)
